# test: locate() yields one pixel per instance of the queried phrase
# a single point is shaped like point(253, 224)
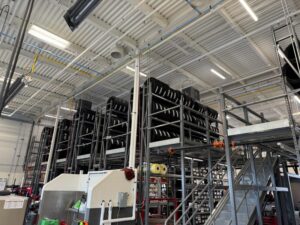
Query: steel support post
point(141, 155)
point(273, 180)
point(147, 151)
point(228, 153)
point(182, 165)
point(52, 145)
point(287, 102)
point(210, 183)
point(288, 195)
point(255, 182)
point(134, 116)
point(192, 182)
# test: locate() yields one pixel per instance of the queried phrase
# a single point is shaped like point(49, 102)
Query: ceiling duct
point(117, 52)
point(79, 11)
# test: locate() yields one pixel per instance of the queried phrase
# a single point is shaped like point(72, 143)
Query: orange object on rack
point(221, 144)
point(171, 151)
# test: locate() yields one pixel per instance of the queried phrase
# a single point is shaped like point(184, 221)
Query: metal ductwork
point(117, 52)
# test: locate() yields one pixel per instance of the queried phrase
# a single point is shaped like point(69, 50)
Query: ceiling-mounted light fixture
point(2, 79)
point(52, 116)
point(48, 37)
point(68, 109)
point(297, 98)
point(218, 74)
point(280, 53)
point(249, 10)
point(79, 11)
point(133, 70)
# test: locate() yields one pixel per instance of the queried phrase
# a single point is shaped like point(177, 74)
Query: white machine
point(109, 198)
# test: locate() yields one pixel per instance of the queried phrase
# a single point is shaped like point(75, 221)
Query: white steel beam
point(38, 77)
point(240, 31)
point(146, 10)
point(168, 63)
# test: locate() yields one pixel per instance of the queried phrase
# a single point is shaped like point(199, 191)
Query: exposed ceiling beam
point(24, 97)
point(101, 25)
point(15, 103)
point(235, 26)
point(193, 44)
point(47, 61)
point(73, 49)
point(168, 63)
point(146, 10)
point(38, 77)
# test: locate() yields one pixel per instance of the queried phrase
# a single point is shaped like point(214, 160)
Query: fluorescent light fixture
point(218, 74)
point(48, 37)
point(133, 70)
point(222, 68)
point(2, 80)
point(68, 109)
point(297, 98)
point(52, 116)
point(249, 10)
point(6, 114)
point(197, 160)
point(280, 52)
point(296, 114)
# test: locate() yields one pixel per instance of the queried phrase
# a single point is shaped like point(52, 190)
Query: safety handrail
point(189, 195)
point(246, 193)
point(224, 200)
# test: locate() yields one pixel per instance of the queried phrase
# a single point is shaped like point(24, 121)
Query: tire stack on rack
point(63, 137)
point(291, 77)
point(117, 122)
point(166, 110)
point(46, 137)
point(84, 126)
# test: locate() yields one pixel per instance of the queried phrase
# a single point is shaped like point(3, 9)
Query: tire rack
point(197, 171)
point(115, 144)
point(180, 115)
point(62, 148)
point(83, 134)
point(97, 141)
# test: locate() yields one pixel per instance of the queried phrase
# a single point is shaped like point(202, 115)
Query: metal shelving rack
point(82, 138)
point(62, 148)
point(172, 120)
point(276, 138)
point(115, 137)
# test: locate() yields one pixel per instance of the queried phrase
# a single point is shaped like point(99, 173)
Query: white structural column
point(134, 114)
point(52, 145)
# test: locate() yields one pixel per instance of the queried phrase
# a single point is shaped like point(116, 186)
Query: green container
point(49, 222)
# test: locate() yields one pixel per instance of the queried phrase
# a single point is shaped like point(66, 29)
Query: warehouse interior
point(149, 112)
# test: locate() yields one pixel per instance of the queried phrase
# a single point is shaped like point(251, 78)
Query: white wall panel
point(14, 137)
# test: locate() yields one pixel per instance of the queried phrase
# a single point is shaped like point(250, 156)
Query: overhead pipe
point(15, 55)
